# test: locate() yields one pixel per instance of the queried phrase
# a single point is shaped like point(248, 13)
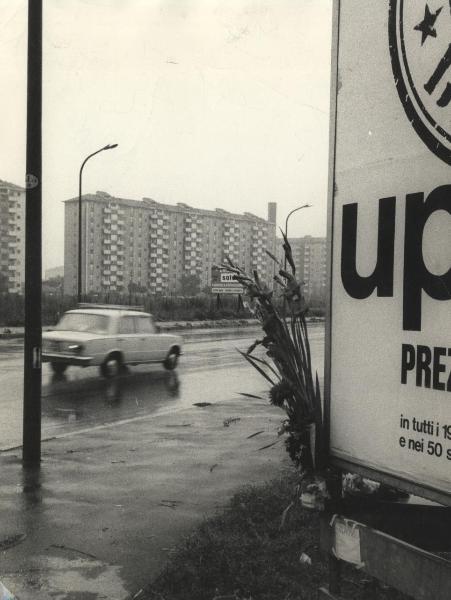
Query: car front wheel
point(171, 360)
point(111, 366)
point(58, 368)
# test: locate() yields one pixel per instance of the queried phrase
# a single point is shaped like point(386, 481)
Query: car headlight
point(50, 346)
point(76, 348)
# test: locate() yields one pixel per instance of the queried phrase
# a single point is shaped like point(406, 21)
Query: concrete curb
point(5, 594)
point(10, 333)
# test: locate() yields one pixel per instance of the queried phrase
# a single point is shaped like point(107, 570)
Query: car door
point(151, 342)
point(129, 340)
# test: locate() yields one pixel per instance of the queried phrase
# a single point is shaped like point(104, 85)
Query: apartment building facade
point(310, 259)
point(149, 246)
point(12, 237)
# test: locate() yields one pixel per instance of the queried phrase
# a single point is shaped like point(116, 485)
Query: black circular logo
point(420, 49)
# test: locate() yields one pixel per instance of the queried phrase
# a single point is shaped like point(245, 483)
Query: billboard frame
point(354, 465)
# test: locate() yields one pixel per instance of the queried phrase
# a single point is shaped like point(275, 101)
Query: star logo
point(427, 24)
point(421, 68)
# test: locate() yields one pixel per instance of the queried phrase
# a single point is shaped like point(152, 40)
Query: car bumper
point(67, 359)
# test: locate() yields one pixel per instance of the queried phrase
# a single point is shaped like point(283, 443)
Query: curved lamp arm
point(107, 147)
point(290, 213)
point(286, 225)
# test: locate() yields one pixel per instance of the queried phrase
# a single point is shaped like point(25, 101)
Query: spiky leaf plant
point(287, 366)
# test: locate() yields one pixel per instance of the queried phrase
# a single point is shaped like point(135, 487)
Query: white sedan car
point(110, 338)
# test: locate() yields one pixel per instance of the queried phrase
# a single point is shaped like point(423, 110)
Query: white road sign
point(228, 277)
point(227, 289)
point(224, 282)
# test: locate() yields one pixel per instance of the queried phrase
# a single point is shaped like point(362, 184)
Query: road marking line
point(5, 594)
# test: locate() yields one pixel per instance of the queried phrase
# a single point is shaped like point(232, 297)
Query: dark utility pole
point(33, 258)
point(80, 254)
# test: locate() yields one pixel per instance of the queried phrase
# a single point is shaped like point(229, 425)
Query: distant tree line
point(164, 308)
point(191, 304)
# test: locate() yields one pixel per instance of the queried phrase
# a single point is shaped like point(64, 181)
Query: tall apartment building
point(310, 259)
point(153, 245)
point(12, 237)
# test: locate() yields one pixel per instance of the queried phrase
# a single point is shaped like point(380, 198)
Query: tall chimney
point(272, 212)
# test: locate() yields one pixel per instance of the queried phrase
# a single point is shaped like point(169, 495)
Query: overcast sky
point(215, 103)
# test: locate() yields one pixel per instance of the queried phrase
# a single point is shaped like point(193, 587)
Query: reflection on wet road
point(210, 370)
point(70, 405)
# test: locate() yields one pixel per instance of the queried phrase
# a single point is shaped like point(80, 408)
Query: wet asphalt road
point(210, 370)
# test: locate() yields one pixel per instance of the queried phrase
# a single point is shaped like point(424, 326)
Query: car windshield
point(83, 322)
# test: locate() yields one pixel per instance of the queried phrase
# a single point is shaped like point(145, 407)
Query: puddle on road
point(62, 578)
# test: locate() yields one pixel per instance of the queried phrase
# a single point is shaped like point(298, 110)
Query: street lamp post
point(31, 449)
point(286, 225)
point(108, 147)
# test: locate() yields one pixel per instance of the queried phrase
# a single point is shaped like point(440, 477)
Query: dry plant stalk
point(288, 368)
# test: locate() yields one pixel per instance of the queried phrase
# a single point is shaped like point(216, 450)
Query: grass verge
point(242, 554)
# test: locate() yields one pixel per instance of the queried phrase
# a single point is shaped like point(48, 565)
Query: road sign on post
point(224, 282)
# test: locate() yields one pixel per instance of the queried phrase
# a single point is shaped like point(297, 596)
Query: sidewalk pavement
point(101, 516)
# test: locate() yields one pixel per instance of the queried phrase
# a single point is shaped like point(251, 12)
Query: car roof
point(108, 312)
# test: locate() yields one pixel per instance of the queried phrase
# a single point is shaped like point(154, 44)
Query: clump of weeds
point(243, 553)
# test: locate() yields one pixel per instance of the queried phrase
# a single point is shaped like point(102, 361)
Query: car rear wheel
point(111, 366)
point(171, 360)
point(58, 368)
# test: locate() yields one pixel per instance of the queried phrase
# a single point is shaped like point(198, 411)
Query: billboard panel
point(389, 379)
